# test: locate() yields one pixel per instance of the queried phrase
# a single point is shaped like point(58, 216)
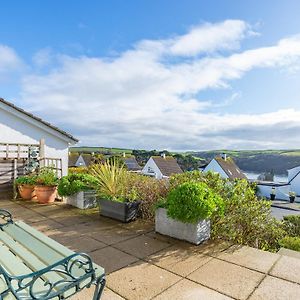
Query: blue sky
point(179, 75)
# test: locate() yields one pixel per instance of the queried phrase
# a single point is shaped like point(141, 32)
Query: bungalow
point(161, 167)
point(21, 131)
point(132, 164)
point(225, 166)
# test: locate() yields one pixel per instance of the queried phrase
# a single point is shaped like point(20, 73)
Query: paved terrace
point(141, 264)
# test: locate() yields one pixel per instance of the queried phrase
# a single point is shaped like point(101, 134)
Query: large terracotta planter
point(26, 191)
point(45, 194)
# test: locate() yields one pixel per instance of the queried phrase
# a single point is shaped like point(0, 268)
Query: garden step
point(288, 252)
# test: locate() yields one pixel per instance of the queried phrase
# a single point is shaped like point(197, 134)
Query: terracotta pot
point(45, 194)
point(26, 191)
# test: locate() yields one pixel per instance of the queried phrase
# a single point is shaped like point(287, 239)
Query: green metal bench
point(33, 266)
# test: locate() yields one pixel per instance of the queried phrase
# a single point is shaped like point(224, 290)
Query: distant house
point(161, 167)
point(80, 160)
point(132, 164)
point(225, 166)
point(294, 180)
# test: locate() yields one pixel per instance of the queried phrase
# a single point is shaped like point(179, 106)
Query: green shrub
point(74, 183)
point(147, 189)
point(292, 225)
point(191, 202)
point(47, 177)
point(27, 179)
point(76, 170)
point(290, 242)
point(246, 220)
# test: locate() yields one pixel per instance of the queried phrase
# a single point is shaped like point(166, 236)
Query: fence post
point(15, 174)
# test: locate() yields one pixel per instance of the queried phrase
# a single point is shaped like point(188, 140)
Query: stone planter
point(122, 211)
point(83, 199)
point(193, 233)
point(272, 196)
point(26, 191)
point(45, 194)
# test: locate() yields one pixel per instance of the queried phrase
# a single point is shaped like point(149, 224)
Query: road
point(278, 213)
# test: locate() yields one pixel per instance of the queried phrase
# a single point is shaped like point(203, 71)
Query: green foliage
point(47, 177)
point(290, 242)
point(110, 180)
point(292, 225)
point(147, 189)
point(78, 170)
point(28, 179)
point(191, 202)
point(74, 183)
point(246, 220)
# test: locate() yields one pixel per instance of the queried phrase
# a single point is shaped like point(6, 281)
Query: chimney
point(224, 156)
point(163, 155)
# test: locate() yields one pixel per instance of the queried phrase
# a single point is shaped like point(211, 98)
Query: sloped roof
point(38, 119)
point(132, 164)
point(73, 157)
point(230, 168)
point(167, 165)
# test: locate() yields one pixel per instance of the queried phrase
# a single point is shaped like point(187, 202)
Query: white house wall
point(152, 165)
point(18, 131)
point(282, 192)
point(215, 167)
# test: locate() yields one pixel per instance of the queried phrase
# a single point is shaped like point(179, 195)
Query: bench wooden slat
point(16, 267)
point(31, 260)
point(46, 254)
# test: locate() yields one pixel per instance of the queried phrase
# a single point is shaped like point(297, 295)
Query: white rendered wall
point(282, 192)
point(152, 165)
point(215, 167)
point(16, 130)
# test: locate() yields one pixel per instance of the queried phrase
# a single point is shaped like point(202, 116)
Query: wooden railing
point(18, 151)
point(52, 163)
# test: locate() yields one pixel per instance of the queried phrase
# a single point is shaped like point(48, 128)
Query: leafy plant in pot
point(273, 193)
point(25, 186)
point(292, 196)
point(185, 213)
point(46, 186)
point(115, 200)
point(77, 190)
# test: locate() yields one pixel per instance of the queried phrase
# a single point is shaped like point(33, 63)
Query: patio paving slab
point(139, 226)
point(180, 261)
point(188, 290)
point(251, 258)
point(273, 288)
point(112, 259)
point(141, 281)
point(80, 243)
point(227, 278)
point(142, 246)
point(46, 225)
point(287, 268)
point(88, 294)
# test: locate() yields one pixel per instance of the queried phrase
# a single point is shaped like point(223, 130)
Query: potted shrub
point(292, 196)
point(186, 212)
point(77, 190)
point(25, 186)
point(46, 186)
point(273, 193)
point(115, 200)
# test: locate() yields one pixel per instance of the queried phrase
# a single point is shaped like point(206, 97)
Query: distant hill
point(258, 161)
point(278, 161)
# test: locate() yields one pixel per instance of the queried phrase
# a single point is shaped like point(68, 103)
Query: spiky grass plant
point(110, 180)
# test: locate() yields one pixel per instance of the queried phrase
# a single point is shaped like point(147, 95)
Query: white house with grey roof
point(21, 128)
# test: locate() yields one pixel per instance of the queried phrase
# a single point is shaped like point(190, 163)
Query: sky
point(157, 74)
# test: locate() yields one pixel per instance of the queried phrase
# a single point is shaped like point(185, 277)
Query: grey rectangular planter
point(122, 211)
point(83, 200)
point(193, 233)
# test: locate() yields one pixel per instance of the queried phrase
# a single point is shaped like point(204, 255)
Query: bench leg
point(100, 284)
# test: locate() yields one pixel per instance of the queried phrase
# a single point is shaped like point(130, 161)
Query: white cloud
point(43, 57)
point(9, 60)
point(141, 100)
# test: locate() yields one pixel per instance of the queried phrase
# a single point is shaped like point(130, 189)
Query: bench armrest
point(5, 217)
point(75, 271)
